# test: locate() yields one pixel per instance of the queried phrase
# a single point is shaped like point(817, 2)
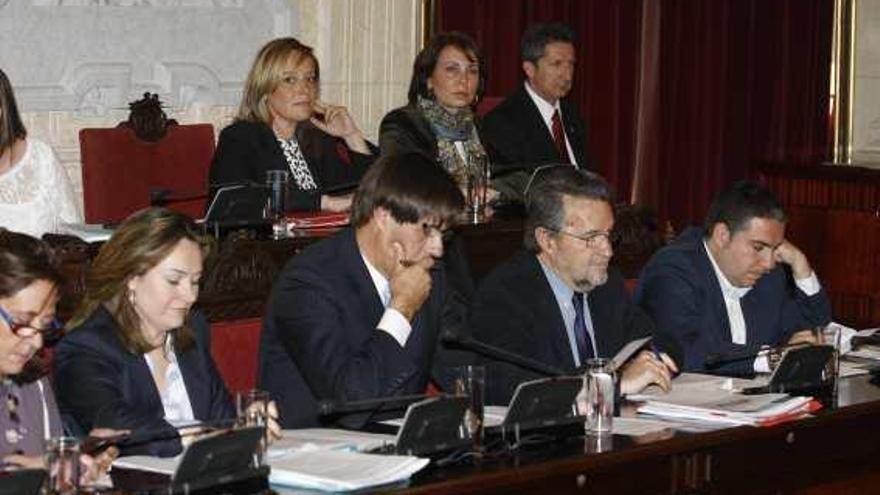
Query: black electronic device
point(22, 481)
point(433, 426)
point(237, 205)
point(223, 458)
point(801, 370)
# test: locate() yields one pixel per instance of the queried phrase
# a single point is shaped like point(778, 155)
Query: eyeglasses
point(25, 330)
point(592, 238)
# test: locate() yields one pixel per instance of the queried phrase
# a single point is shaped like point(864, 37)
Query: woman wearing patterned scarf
point(281, 125)
point(448, 80)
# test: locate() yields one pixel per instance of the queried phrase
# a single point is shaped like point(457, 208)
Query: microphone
point(331, 407)
point(498, 354)
point(162, 196)
point(716, 359)
point(94, 445)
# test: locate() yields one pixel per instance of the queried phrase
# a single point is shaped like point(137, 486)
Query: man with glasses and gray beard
point(558, 302)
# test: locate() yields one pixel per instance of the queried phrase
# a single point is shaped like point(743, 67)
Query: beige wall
point(75, 65)
point(866, 88)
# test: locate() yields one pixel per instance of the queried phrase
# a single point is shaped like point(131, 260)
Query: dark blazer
point(515, 134)
point(680, 290)
point(246, 150)
point(320, 340)
point(405, 130)
point(515, 309)
point(101, 385)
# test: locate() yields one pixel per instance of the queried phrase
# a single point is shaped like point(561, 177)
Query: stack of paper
point(715, 399)
point(311, 439)
point(755, 410)
point(335, 470)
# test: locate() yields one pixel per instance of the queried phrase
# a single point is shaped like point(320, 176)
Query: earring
point(131, 297)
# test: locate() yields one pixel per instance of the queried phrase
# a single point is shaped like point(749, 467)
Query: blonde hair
point(263, 78)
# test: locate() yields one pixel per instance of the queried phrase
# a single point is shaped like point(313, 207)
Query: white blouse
point(35, 194)
point(175, 398)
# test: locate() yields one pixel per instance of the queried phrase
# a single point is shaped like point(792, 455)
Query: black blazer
point(515, 135)
point(404, 130)
point(246, 150)
point(680, 290)
point(99, 384)
point(320, 340)
point(515, 309)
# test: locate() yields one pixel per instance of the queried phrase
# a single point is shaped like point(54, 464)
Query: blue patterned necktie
point(584, 344)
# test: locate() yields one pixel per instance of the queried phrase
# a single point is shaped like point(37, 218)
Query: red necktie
point(559, 138)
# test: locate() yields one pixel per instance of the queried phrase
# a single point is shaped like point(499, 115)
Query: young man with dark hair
point(724, 291)
point(358, 315)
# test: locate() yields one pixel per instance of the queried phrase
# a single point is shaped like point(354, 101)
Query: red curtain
point(607, 50)
point(682, 96)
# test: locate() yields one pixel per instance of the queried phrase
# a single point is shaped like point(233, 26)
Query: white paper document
point(336, 470)
point(312, 439)
point(715, 399)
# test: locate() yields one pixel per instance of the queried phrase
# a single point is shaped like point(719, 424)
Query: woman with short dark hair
point(448, 80)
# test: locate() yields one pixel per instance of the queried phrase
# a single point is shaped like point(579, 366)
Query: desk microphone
point(94, 445)
point(331, 407)
point(498, 354)
point(716, 359)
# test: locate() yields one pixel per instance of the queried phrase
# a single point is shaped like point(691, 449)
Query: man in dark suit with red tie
point(558, 302)
point(536, 125)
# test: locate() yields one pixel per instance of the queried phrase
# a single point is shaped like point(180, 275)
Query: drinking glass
point(477, 186)
point(252, 409)
point(471, 383)
point(599, 396)
point(277, 181)
point(62, 463)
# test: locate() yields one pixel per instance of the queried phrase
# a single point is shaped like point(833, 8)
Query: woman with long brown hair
point(138, 356)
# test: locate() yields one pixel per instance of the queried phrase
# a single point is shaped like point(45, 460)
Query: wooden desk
point(241, 269)
point(837, 451)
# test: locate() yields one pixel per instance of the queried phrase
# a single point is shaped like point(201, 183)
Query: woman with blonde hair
point(282, 125)
point(138, 355)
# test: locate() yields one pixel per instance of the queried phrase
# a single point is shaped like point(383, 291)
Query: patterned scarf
point(299, 168)
point(450, 128)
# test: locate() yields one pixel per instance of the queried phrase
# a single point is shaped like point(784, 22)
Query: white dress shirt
point(392, 321)
point(732, 296)
point(175, 398)
point(547, 110)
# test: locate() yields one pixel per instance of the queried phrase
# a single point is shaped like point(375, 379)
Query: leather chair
point(235, 347)
point(123, 173)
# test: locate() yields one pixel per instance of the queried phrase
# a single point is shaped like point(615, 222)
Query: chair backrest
point(122, 173)
point(235, 346)
point(487, 104)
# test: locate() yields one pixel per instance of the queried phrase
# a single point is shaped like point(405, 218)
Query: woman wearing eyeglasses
point(282, 125)
point(29, 286)
point(138, 356)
